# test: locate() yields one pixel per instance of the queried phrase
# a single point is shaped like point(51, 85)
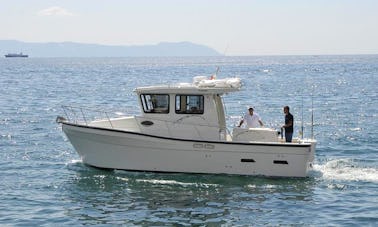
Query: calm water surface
point(43, 181)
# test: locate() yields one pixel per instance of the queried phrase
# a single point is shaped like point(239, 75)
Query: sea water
point(44, 182)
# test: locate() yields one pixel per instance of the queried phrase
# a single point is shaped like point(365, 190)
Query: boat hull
point(118, 149)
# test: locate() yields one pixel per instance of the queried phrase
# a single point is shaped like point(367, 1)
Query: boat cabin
point(192, 111)
point(186, 110)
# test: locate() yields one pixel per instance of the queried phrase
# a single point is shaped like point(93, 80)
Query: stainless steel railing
point(86, 115)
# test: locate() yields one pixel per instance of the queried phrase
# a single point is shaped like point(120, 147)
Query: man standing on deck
point(253, 119)
point(289, 124)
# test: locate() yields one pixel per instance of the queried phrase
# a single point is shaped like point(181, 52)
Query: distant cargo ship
point(20, 55)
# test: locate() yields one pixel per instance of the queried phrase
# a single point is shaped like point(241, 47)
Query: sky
point(232, 27)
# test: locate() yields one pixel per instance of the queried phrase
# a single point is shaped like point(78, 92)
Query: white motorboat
point(182, 128)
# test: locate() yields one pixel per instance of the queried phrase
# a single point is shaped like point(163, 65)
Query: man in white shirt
point(253, 119)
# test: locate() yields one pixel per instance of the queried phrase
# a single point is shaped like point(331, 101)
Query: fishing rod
point(302, 127)
point(312, 116)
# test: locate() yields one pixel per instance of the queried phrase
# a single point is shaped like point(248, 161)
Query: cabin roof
point(203, 86)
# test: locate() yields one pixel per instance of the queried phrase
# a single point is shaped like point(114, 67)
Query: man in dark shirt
point(289, 124)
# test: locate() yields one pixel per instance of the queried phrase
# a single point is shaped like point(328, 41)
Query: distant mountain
point(70, 49)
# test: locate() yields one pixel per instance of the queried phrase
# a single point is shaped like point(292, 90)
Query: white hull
point(118, 149)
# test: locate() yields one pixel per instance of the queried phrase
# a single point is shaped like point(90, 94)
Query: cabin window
point(153, 103)
point(189, 104)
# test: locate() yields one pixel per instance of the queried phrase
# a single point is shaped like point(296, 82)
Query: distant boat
point(13, 55)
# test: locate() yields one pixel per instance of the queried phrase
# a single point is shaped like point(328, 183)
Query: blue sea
point(44, 183)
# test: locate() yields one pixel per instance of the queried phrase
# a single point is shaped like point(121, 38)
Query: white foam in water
point(346, 169)
point(122, 178)
point(173, 182)
point(75, 161)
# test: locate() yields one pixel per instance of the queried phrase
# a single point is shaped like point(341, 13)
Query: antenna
point(214, 76)
point(225, 50)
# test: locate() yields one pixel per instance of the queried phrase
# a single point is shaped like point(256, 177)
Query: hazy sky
point(232, 27)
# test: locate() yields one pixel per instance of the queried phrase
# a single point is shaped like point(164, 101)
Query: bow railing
point(86, 115)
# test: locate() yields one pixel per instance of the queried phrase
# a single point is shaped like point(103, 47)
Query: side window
point(155, 103)
point(189, 104)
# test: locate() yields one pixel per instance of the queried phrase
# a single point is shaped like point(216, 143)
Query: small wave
point(347, 169)
point(6, 136)
point(74, 161)
point(123, 179)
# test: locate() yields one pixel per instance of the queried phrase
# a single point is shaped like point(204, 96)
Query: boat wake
point(346, 170)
